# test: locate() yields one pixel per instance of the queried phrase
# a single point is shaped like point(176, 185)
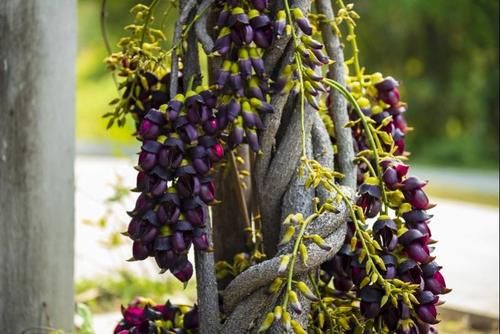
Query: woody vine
point(311, 147)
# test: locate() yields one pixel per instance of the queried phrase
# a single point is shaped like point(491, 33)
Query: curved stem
point(368, 131)
point(295, 250)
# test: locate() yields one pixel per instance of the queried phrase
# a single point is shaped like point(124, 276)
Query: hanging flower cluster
point(244, 32)
point(399, 246)
point(177, 153)
point(143, 316)
point(384, 277)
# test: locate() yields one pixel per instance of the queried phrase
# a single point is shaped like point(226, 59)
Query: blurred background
point(445, 53)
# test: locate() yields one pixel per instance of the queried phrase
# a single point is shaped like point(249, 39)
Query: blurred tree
point(446, 52)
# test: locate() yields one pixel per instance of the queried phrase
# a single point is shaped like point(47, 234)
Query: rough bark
point(37, 52)
point(338, 108)
point(279, 190)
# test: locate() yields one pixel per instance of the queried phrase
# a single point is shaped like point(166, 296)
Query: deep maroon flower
point(223, 42)
point(388, 91)
point(150, 127)
point(415, 246)
point(260, 4)
point(188, 186)
point(385, 232)
point(236, 136)
point(369, 199)
point(223, 73)
point(394, 172)
point(147, 157)
point(186, 130)
point(426, 310)
point(244, 63)
point(169, 208)
point(200, 239)
point(410, 271)
point(280, 24)
point(252, 139)
point(140, 251)
point(434, 280)
point(207, 191)
point(302, 21)
point(370, 301)
point(182, 270)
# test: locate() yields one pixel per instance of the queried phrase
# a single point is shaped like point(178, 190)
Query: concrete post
point(37, 98)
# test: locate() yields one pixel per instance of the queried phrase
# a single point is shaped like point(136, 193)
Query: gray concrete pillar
point(37, 99)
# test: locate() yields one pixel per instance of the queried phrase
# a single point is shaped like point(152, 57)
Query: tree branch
point(338, 110)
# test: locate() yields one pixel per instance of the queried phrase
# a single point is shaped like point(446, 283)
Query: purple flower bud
point(260, 4)
point(233, 109)
point(253, 140)
point(210, 126)
point(178, 242)
point(170, 157)
point(183, 270)
point(236, 137)
point(343, 284)
point(168, 213)
point(222, 18)
point(139, 250)
point(207, 192)
point(159, 187)
point(222, 77)
point(222, 44)
point(188, 186)
point(201, 165)
point(165, 259)
point(200, 241)
point(147, 160)
point(209, 98)
point(280, 24)
point(320, 56)
point(370, 301)
point(236, 82)
point(245, 66)
point(216, 152)
point(410, 271)
point(385, 232)
point(263, 38)
point(135, 229)
point(418, 199)
point(143, 183)
point(436, 284)
point(148, 129)
point(427, 313)
point(304, 25)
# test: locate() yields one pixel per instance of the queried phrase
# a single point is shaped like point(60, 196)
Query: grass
point(463, 195)
point(107, 294)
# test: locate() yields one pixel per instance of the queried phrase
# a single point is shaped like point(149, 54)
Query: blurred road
point(468, 234)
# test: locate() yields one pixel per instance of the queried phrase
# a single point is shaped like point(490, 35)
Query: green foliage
point(107, 294)
point(449, 61)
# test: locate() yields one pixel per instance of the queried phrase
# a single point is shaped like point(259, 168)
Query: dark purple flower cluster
point(244, 32)
point(312, 59)
point(404, 242)
point(179, 146)
point(405, 251)
point(143, 317)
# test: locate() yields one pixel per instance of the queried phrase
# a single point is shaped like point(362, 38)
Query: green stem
point(368, 131)
point(321, 303)
point(368, 163)
point(354, 45)
point(298, 61)
point(295, 250)
point(352, 213)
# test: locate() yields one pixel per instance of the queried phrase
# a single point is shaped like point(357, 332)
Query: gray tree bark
point(37, 51)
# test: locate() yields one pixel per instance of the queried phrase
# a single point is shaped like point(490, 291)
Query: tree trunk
point(37, 51)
